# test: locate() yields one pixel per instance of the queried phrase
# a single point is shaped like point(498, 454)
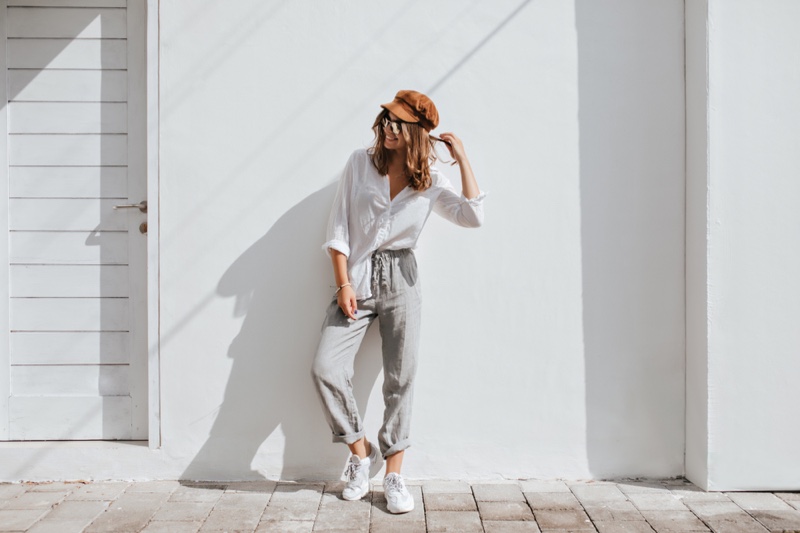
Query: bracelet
point(342, 287)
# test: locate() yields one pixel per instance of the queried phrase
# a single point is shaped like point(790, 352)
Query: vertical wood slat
point(142, 393)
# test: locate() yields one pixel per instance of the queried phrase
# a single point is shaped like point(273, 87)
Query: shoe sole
point(401, 511)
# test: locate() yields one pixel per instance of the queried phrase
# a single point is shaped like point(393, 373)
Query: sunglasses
point(394, 127)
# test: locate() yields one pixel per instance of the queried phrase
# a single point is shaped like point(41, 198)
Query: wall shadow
point(631, 141)
point(281, 286)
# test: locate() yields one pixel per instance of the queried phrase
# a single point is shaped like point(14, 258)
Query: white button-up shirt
point(364, 218)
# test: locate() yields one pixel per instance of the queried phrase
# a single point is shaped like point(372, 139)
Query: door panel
point(77, 349)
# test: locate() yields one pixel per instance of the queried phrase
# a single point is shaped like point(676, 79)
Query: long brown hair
point(419, 153)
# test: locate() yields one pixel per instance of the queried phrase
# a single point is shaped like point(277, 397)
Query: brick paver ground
point(448, 506)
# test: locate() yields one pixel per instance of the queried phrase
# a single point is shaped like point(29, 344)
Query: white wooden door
point(74, 84)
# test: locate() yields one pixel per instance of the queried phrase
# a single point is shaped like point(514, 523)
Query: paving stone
point(571, 519)
point(719, 511)
point(294, 492)
point(129, 512)
point(332, 500)
point(232, 519)
point(335, 519)
point(490, 526)
point(73, 511)
point(35, 500)
point(552, 500)
point(567, 530)
point(505, 510)
point(446, 487)
point(643, 485)
point(286, 527)
point(10, 490)
point(676, 482)
point(449, 501)
point(667, 521)
point(263, 486)
point(758, 501)
point(499, 492)
point(745, 525)
point(454, 522)
point(167, 526)
point(153, 486)
point(656, 502)
point(381, 514)
point(778, 520)
point(53, 486)
point(99, 491)
point(183, 511)
point(290, 511)
point(197, 493)
point(19, 519)
point(243, 500)
point(694, 493)
point(788, 496)
point(398, 527)
point(543, 485)
point(597, 493)
point(57, 526)
point(627, 526)
point(607, 511)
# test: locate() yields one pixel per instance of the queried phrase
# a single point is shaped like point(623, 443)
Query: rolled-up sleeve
point(338, 234)
point(466, 212)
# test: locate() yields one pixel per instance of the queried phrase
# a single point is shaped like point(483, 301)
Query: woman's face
point(393, 141)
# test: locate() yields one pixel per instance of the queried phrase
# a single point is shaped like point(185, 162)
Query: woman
point(384, 198)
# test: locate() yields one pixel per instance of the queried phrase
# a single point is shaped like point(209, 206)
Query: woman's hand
point(454, 146)
point(347, 302)
point(469, 186)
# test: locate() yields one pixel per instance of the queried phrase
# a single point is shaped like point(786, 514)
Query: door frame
point(147, 12)
point(152, 142)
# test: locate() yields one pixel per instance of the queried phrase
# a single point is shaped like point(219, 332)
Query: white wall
point(753, 257)
point(696, 17)
point(553, 336)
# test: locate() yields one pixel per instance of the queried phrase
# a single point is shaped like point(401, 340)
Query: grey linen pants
point(396, 303)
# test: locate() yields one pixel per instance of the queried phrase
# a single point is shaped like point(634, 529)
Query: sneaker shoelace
point(352, 470)
point(394, 484)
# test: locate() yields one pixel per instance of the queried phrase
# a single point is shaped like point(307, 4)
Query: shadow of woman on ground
point(270, 421)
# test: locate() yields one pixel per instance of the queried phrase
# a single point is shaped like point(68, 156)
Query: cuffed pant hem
point(397, 447)
point(348, 439)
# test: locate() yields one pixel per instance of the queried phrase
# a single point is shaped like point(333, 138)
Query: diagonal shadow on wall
point(281, 286)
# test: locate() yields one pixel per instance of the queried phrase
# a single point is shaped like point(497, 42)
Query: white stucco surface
point(553, 337)
point(753, 258)
point(696, 23)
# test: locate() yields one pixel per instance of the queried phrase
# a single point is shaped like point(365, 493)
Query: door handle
point(141, 206)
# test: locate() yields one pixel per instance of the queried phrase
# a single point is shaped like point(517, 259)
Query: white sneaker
point(398, 499)
point(359, 472)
